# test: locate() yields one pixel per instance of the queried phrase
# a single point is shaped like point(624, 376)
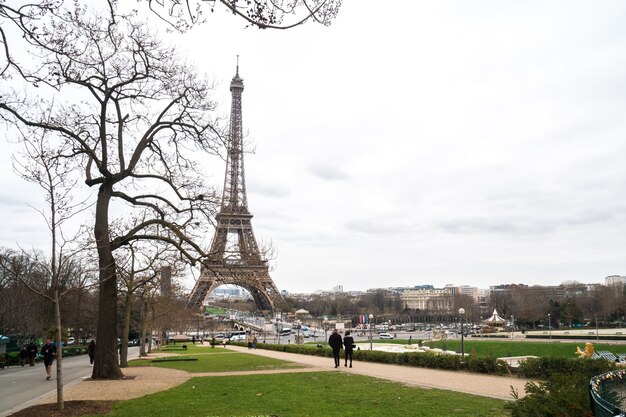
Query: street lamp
point(371, 317)
point(512, 326)
point(462, 316)
point(326, 329)
point(550, 325)
point(597, 335)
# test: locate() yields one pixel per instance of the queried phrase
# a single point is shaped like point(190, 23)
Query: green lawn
point(317, 394)
point(191, 348)
point(214, 360)
point(500, 348)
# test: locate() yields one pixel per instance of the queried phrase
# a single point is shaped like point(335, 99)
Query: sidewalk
point(471, 383)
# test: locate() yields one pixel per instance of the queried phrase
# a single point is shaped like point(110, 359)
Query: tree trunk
point(105, 363)
point(144, 325)
point(59, 337)
point(126, 329)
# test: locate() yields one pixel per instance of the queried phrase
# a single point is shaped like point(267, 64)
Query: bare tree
point(46, 167)
point(140, 268)
point(263, 14)
point(132, 116)
point(20, 313)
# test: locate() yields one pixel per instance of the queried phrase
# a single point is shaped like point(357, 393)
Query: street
point(21, 387)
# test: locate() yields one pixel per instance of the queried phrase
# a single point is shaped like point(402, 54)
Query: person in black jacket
point(49, 352)
point(32, 353)
point(348, 343)
point(335, 342)
point(91, 351)
point(24, 355)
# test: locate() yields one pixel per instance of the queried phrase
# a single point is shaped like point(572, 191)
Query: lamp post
point(326, 329)
point(512, 326)
point(597, 335)
point(371, 317)
point(462, 317)
point(550, 325)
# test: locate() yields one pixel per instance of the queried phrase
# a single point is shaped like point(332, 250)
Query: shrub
point(560, 395)
point(547, 366)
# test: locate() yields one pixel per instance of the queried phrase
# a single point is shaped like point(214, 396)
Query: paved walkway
point(470, 383)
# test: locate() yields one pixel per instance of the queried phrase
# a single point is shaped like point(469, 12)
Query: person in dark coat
point(335, 342)
point(91, 351)
point(32, 353)
point(348, 343)
point(23, 355)
point(49, 352)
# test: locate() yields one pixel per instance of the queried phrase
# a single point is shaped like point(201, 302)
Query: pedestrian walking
point(250, 339)
point(24, 355)
point(91, 351)
point(254, 340)
point(49, 352)
point(348, 343)
point(32, 353)
point(335, 343)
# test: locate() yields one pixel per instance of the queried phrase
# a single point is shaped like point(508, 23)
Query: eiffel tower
point(234, 257)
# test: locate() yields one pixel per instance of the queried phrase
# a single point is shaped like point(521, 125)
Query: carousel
point(493, 323)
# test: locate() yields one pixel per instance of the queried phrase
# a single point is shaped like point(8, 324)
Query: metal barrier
point(598, 385)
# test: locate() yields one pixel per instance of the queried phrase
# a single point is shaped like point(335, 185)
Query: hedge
point(546, 367)
point(421, 360)
point(13, 358)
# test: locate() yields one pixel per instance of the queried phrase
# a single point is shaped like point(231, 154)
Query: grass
point(317, 394)
point(211, 361)
point(500, 348)
point(191, 348)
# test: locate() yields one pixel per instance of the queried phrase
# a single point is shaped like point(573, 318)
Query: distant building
point(166, 281)
point(338, 288)
point(235, 293)
point(550, 291)
point(464, 290)
point(615, 281)
point(432, 299)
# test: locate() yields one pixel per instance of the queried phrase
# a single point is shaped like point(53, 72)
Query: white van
point(238, 336)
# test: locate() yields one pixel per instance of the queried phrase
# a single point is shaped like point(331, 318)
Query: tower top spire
point(237, 81)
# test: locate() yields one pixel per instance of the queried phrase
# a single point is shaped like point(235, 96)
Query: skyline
point(474, 144)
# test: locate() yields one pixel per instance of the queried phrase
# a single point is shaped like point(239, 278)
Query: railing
point(598, 388)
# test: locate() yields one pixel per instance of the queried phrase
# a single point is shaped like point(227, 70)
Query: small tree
point(46, 167)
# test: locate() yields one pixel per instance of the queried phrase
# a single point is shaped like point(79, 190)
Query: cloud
point(268, 189)
point(328, 172)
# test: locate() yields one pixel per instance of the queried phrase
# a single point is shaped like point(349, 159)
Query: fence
point(598, 392)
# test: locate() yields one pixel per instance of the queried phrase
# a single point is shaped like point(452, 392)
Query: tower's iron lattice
point(234, 257)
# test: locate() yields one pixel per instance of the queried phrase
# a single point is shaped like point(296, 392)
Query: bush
point(560, 395)
point(545, 367)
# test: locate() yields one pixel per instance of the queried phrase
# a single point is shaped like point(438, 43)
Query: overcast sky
point(474, 143)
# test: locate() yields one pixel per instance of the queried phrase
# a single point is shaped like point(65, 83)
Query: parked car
point(71, 340)
point(385, 336)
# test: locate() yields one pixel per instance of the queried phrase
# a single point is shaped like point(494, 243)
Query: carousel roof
point(495, 318)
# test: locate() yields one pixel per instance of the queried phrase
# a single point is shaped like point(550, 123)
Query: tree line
point(528, 307)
